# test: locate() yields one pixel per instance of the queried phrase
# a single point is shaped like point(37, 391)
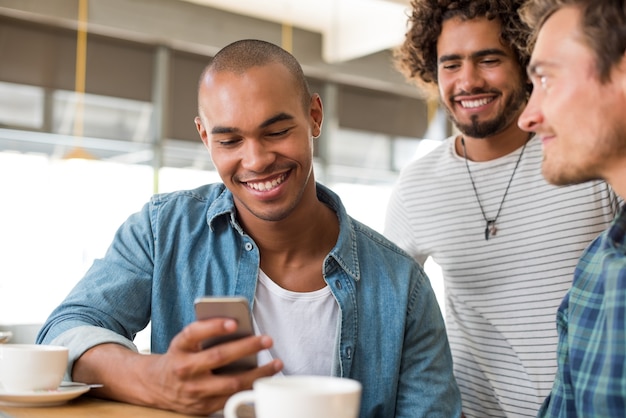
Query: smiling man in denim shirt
point(329, 295)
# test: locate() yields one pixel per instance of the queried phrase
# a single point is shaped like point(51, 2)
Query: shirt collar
point(617, 231)
point(345, 251)
point(222, 206)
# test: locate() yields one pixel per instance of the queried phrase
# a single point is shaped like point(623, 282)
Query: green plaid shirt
point(591, 321)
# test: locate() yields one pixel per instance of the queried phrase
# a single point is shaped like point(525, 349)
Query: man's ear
point(202, 132)
point(316, 114)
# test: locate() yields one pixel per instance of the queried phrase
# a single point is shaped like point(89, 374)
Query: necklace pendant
point(490, 229)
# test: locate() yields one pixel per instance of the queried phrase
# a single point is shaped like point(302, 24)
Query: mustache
point(474, 92)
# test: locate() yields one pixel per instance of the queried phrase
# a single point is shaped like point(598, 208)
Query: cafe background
point(97, 100)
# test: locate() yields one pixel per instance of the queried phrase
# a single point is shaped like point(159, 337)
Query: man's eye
point(541, 81)
point(490, 61)
point(278, 133)
point(450, 66)
point(227, 142)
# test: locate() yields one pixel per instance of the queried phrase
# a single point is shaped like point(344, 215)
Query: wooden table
point(86, 406)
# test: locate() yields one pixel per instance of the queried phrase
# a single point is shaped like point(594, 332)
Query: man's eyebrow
point(223, 130)
point(279, 117)
point(228, 130)
point(533, 67)
point(473, 55)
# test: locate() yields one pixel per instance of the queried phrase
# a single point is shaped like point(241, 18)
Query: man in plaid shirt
point(578, 71)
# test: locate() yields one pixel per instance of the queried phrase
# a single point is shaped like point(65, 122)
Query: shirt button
point(349, 353)
point(248, 246)
point(338, 284)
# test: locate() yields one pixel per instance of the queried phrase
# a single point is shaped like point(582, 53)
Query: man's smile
point(266, 185)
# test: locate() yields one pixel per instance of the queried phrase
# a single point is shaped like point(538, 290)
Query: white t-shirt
point(302, 325)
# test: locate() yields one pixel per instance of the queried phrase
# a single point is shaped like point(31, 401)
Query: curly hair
point(416, 58)
point(603, 25)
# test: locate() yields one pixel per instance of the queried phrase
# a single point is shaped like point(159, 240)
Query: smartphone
point(233, 307)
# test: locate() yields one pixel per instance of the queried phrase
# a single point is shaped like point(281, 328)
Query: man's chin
point(564, 176)
point(481, 130)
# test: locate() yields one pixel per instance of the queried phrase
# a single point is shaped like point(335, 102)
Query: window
point(59, 215)
point(21, 106)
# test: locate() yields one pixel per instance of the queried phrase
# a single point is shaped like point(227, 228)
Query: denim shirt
point(391, 335)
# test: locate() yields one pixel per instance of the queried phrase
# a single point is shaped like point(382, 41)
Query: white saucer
point(43, 397)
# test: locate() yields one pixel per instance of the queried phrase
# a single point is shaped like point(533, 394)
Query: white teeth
point(267, 185)
point(469, 104)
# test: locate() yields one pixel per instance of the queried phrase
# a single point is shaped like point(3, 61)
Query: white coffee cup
point(31, 367)
point(299, 396)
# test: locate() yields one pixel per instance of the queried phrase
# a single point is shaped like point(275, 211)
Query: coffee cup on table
point(31, 367)
point(299, 396)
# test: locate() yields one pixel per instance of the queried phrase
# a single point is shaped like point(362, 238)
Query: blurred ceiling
point(350, 28)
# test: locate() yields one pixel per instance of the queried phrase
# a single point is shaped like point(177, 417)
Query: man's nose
point(531, 117)
point(257, 155)
point(470, 78)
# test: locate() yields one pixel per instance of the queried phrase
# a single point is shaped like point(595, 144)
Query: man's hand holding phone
point(187, 372)
point(183, 378)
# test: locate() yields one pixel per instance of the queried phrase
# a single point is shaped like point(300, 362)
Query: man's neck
point(492, 147)
point(299, 232)
point(616, 177)
point(293, 249)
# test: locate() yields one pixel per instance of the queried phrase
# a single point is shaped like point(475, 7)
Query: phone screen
point(228, 307)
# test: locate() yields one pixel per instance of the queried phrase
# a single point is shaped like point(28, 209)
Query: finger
point(211, 394)
point(223, 354)
point(228, 384)
point(192, 336)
